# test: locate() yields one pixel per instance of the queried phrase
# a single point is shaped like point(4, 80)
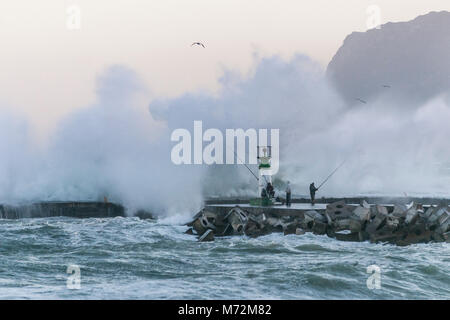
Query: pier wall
point(75, 209)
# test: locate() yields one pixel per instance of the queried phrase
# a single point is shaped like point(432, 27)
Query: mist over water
point(120, 148)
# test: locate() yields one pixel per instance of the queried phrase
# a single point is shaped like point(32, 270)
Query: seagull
point(360, 100)
point(198, 44)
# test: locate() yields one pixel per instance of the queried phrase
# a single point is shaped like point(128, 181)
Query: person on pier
point(270, 190)
point(288, 194)
point(312, 192)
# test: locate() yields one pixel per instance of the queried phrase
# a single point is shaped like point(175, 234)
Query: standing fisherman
point(288, 194)
point(313, 189)
point(270, 190)
point(312, 192)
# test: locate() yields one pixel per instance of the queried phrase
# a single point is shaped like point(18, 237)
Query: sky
point(53, 51)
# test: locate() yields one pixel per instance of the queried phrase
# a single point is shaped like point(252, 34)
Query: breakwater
point(400, 224)
point(78, 209)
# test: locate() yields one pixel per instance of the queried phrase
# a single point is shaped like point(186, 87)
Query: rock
point(442, 215)
point(416, 234)
point(336, 205)
point(381, 209)
point(361, 213)
point(207, 236)
point(363, 236)
point(330, 232)
point(252, 229)
point(348, 224)
point(437, 237)
point(400, 224)
point(196, 216)
point(410, 205)
point(291, 228)
point(314, 215)
point(261, 225)
point(383, 236)
point(429, 212)
point(444, 221)
point(438, 216)
point(228, 230)
point(144, 214)
point(411, 216)
point(237, 218)
point(390, 228)
point(314, 221)
point(319, 227)
point(392, 222)
point(310, 218)
point(199, 227)
point(256, 226)
point(399, 211)
point(259, 219)
point(329, 220)
point(446, 236)
point(275, 224)
point(353, 236)
point(445, 226)
point(377, 210)
point(365, 204)
point(204, 222)
point(338, 210)
point(212, 218)
point(378, 221)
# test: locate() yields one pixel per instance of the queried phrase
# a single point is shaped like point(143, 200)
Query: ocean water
point(129, 258)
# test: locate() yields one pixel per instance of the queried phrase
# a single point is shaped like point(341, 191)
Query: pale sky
point(49, 69)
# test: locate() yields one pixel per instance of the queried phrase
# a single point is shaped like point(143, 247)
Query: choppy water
point(128, 258)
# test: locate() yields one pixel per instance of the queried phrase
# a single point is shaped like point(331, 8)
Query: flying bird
point(386, 86)
point(198, 44)
point(360, 100)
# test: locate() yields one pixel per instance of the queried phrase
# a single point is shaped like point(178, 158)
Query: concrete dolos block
point(237, 218)
point(207, 236)
point(361, 213)
point(338, 210)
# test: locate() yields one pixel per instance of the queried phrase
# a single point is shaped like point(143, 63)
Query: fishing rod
point(331, 174)
point(246, 166)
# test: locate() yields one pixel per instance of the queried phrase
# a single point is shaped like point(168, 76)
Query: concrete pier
point(77, 209)
point(382, 200)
